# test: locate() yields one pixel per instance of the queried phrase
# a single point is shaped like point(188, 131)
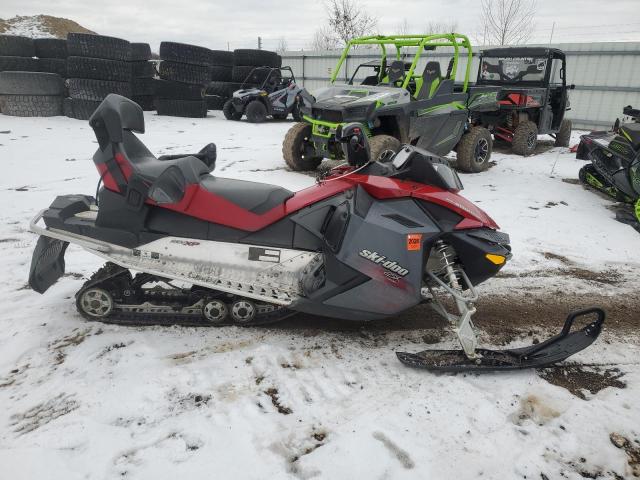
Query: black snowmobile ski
point(544, 354)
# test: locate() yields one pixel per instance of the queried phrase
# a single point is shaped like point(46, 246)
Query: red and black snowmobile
point(368, 241)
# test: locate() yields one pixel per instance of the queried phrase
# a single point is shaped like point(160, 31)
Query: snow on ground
point(93, 401)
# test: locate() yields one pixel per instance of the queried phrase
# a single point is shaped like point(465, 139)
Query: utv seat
point(395, 73)
point(431, 78)
point(128, 167)
point(632, 132)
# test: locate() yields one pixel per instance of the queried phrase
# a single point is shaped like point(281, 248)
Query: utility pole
point(228, 47)
point(259, 43)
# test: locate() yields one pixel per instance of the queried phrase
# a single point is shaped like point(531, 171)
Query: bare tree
point(324, 39)
point(283, 45)
point(403, 28)
point(441, 27)
point(348, 19)
point(507, 22)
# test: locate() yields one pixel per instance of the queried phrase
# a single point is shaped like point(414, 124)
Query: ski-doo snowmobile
point(368, 241)
point(615, 164)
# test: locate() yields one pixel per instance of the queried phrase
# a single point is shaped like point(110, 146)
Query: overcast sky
point(239, 23)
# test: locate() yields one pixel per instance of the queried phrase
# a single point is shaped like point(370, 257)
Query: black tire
point(78, 108)
point(140, 52)
point(142, 86)
point(563, 137)
point(51, 48)
point(240, 73)
point(30, 83)
point(525, 138)
point(256, 112)
point(98, 69)
point(96, 90)
point(220, 73)
point(98, 46)
point(31, 105)
point(146, 102)
point(183, 72)
point(185, 53)
point(18, 64)
point(230, 113)
point(297, 151)
point(222, 89)
point(53, 65)
point(474, 150)
point(222, 58)
point(182, 108)
point(383, 147)
point(280, 116)
point(214, 102)
point(256, 58)
point(177, 90)
point(143, 70)
point(17, 46)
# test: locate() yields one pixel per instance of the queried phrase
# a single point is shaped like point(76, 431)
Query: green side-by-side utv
point(399, 102)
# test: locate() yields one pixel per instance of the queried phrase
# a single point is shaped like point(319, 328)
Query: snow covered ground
point(306, 399)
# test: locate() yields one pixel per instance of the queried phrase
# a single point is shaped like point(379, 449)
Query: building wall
point(606, 75)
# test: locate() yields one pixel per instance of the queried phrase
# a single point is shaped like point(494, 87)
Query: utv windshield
point(513, 69)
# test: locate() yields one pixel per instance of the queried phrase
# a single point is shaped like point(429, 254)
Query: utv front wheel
point(296, 113)
point(525, 139)
point(230, 113)
point(298, 150)
point(383, 147)
point(474, 150)
point(256, 112)
point(563, 137)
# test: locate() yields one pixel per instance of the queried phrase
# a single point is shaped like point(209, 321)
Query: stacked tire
point(52, 55)
point(184, 71)
point(244, 62)
point(142, 71)
point(17, 54)
point(31, 94)
point(96, 66)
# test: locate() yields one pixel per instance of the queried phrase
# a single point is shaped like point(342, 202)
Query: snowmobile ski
point(541, 355)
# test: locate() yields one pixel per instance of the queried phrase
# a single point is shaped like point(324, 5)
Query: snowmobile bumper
point(544, 354)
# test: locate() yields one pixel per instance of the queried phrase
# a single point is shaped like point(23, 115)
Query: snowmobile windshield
point(416, 164)
point(511, 70)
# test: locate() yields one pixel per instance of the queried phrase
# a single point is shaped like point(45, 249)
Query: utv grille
point(334, 116)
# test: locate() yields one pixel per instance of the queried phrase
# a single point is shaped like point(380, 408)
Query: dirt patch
point(632, 449)
point(535, 409)
point(43, 413)
point(402, 455)
point(579, 380)
point(59, 347)
point(275, 400)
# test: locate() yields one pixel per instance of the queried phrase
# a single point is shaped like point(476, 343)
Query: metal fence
point(606, 75)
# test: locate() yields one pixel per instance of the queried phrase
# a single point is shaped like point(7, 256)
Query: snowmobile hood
point(338, 96)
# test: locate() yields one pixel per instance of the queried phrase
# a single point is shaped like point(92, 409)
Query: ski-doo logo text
point(381, 260)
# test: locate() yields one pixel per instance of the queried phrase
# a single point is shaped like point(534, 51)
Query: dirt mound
point(40, 26)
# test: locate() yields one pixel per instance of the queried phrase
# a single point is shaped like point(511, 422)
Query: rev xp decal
point(381, 260)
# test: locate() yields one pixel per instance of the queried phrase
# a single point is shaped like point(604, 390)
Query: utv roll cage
point(420, 43)
point(272, 74)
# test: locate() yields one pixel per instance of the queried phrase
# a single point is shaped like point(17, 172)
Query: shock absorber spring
point(449, 266)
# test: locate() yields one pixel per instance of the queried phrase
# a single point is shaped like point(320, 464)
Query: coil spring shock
point(449, 268)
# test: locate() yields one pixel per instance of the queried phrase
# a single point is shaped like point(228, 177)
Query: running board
point(269, 274)
point(545, 354)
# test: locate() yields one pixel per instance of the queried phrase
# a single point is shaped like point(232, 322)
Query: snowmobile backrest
point(115, 114)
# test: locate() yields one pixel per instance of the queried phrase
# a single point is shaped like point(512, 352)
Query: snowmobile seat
point(128, 167)
point(632, 133)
